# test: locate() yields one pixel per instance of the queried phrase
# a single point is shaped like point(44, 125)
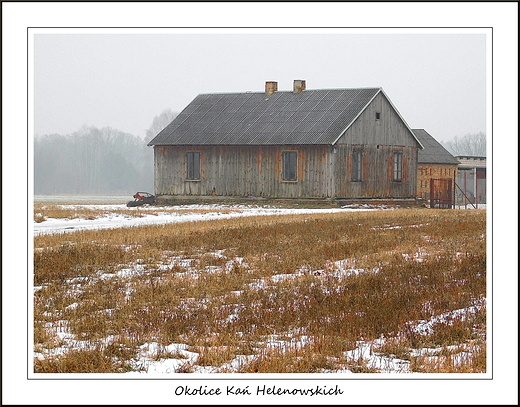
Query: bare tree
point(96, 160)
point(92, 160)
point(159, 123)
point(473, 145)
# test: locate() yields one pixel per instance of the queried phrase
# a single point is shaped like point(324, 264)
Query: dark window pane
point(398, 167)
point(289, 165)
point(357, 166)
point(193, 159)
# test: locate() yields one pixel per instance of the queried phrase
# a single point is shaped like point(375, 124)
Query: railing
point(467, 199)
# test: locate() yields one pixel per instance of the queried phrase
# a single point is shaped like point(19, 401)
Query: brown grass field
point(42, 212)
point(319, 285)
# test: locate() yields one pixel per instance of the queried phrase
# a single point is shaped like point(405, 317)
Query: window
point(289, 159)
point(378, 115)
point(357, 166)
point(193, 165)
point(398, 167)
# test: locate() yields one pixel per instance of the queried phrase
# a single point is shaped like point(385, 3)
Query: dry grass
point(43, 212)
point(98, 360)
point(216, 286)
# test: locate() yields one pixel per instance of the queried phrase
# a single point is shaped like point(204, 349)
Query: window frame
point(193, 166)
point(286, 162)
point(397, 166)
point(357, 166)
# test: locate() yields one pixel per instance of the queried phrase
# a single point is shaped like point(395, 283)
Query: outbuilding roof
point(433, 152)
point(308, 117)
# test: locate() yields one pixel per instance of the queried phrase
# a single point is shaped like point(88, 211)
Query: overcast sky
point(437, 81)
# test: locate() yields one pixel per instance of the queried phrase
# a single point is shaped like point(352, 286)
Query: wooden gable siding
point(378, 139)
point(388, 130)
point(244, 171)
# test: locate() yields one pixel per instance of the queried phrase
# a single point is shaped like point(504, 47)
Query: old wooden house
point(327, 144)
point(437, 171)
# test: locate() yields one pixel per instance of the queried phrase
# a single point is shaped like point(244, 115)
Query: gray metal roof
point(433, 152)
point(283, 118)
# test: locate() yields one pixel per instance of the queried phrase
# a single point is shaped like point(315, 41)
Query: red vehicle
point(142, 198)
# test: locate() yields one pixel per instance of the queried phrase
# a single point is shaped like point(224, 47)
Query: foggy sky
point(436, 81)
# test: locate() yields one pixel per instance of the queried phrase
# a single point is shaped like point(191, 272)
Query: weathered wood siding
point(377, 172)
point(388, 130)
point(243, 171)
point(256, 171)
point(378, 133)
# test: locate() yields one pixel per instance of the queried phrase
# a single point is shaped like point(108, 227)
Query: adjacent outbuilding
point(437, 172)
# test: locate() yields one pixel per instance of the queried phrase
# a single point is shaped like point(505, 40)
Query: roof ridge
point(288, 91)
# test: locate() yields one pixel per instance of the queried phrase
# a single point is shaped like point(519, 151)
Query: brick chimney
point(270, 88)
point(298, 86)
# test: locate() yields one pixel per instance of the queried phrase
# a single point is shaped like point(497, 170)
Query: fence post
point(476, 189)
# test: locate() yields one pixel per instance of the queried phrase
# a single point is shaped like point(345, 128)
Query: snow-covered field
point(162, 215)
point(151, 361)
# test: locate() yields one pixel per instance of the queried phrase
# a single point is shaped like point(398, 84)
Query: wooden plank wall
point(388, 130)
point(378, 138)
point(256, 171)
point(377, 172)
point(242, 171)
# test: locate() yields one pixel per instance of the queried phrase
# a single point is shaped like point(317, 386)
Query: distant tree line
point(107, 160)
point(95, 161)
point(473, 145)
